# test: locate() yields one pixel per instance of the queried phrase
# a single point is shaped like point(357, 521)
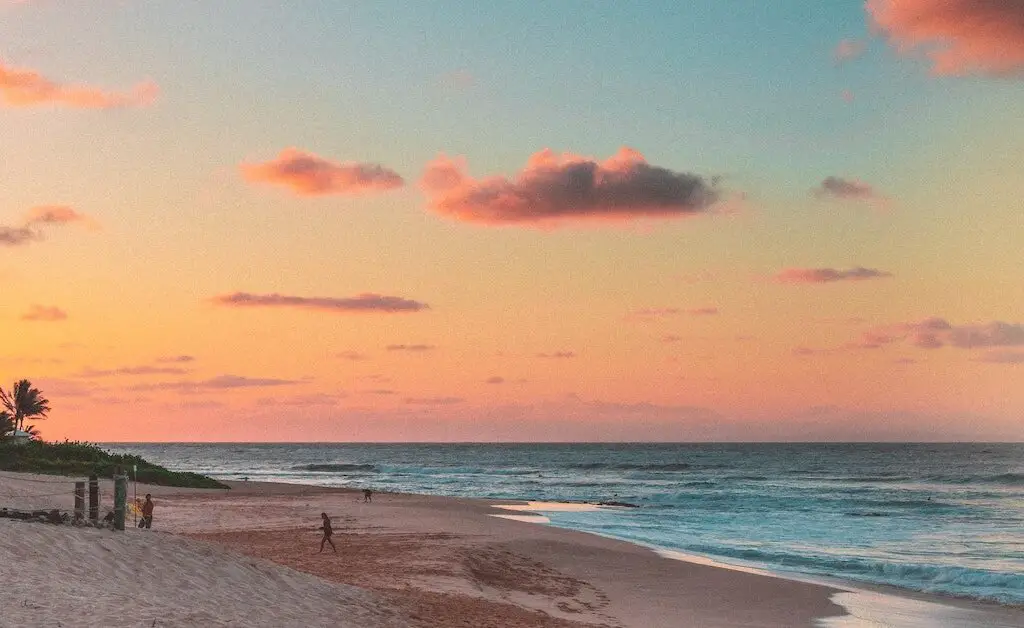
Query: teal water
point(941, 518)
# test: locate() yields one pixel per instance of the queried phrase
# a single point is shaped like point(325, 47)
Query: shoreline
point(460, 558)
point(863, 598)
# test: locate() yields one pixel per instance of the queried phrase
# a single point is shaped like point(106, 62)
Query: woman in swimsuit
point(326, 527)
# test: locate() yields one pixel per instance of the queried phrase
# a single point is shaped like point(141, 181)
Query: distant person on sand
point(326, 527)
point(147, 513)
point(367, 495)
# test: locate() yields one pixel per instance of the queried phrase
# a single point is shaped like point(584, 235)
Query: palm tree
point(23, 401)
point(6, 424)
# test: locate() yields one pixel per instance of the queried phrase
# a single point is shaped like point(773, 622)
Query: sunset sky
point(454, 221)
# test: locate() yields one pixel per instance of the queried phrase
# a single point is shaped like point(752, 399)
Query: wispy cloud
point(43, 313)
point(650, 314)
point(960, 36)
point(21, 87)
point(411, 348)
point(17, 236)
point(828, 275)
point(353, 356)
point(935, 333)
point(132, 370)
point(847, 189)
point(304, 401)
point(802, 351)
point(306, 174)
point(362, 303)
point(558, 355)
point(553, 188)
point(221, 382)
point(433, 401)
point(175, 359)
point(41, 216)
point(847, 50)
point(497, 379)
point(993, 334)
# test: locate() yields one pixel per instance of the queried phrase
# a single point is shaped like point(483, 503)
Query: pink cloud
point(42, 313)
point(368, 302)
point(553, 188)
point(960, 36)
point(846, 189)
point(558, 355)
point(27, 88)
point(875, 339)
point(307, 174)
point(828, 275)
point(846, 95)
point(847, 50)
point(497, 379)
point(670, 338)
point(56, 215)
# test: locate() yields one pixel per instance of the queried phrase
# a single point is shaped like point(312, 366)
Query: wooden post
point(120, 499)
point(94, 498)
point(79, 500)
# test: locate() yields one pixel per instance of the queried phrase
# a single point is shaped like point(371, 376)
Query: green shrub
point(77, 458)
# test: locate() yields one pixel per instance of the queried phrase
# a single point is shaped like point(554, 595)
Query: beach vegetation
point(6, 425)
point(81, 459)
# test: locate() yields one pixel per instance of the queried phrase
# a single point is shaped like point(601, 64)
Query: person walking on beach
point(147, 513)
point(367, 495)
point(326, 527)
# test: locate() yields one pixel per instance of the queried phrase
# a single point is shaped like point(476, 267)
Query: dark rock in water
point(619, 504)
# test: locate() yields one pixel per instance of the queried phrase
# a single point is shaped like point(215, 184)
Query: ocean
point(939, 518)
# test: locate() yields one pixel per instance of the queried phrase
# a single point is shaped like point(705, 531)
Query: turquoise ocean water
point(941, 518)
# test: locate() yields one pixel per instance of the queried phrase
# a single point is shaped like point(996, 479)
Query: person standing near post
point(147, 513)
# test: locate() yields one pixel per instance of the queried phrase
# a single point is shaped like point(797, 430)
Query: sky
point(556, 221)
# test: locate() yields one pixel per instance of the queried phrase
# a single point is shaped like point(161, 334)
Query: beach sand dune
point(65, 576)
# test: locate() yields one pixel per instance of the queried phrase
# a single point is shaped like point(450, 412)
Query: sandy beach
point(248, 557)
